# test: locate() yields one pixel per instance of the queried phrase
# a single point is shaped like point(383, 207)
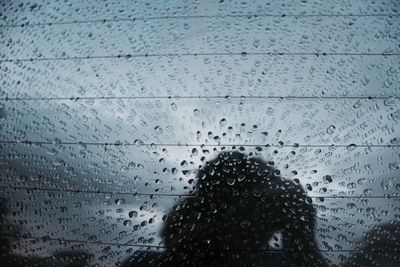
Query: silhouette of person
point(241, 201)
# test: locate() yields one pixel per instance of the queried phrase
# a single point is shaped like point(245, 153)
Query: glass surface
point(108, 109)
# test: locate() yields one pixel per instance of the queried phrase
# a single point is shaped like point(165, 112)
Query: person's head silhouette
point(241, 202)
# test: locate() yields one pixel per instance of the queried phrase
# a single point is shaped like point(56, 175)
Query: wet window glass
point(200, 133)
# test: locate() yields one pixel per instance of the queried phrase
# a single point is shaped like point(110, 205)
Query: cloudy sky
point(162, 78)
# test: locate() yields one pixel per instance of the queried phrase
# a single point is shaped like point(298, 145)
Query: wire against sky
point(130, 56)
point(139, 143)
point(48, 238)
point(78, 191)
point(227, 97)
point(248, 16)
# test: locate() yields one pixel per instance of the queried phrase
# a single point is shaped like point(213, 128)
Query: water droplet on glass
point(351, 147)
point(120, 201)
point(174, 107)
point(330, 129)
point(222, 122)
point(158, 130)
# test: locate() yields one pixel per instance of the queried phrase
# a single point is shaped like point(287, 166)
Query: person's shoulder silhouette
point(241, 201)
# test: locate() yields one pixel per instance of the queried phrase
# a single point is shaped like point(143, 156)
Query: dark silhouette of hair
point(241, 202)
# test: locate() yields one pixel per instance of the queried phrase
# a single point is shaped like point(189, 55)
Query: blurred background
point(107, 109)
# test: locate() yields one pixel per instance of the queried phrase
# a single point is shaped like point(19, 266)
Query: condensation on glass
point(108, 109)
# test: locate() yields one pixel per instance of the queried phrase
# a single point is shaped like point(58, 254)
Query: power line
point(183, 195)
point(282, 97)
point(140, 143)
point(94, 191)
point(48, 238)
point(248, 16)
point(147, 55)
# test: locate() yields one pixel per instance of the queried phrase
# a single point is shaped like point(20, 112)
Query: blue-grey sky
point(232, 59)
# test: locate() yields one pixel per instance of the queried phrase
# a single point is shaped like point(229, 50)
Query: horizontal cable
point(47, 238)
point(282, 97)
point(249, 16)
point(180, 195)
point(94, 191)
point(129, 56)
point(138, 143)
